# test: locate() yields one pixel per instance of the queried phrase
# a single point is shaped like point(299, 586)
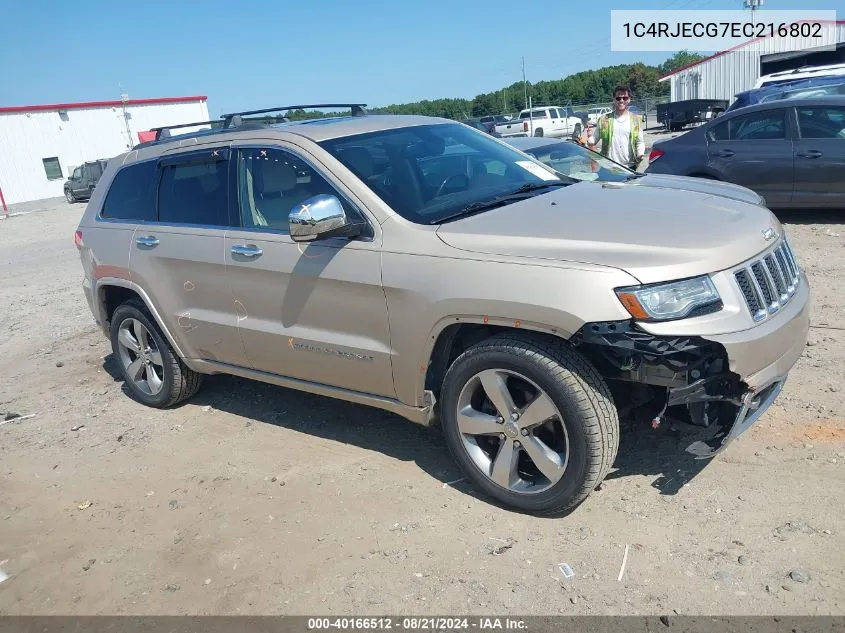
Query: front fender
point(425, 294)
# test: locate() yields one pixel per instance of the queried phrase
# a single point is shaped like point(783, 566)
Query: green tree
point(679, 60)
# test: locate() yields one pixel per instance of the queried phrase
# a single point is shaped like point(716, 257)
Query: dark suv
point(84, 178)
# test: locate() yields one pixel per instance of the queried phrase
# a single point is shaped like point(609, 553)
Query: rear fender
point(100, 286)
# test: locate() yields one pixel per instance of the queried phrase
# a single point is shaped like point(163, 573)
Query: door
point(820, 156)
point(89, 179)
point(315, 311)
point(178, 258)
point(554, 127)
point(76, 181)
point(755, 150)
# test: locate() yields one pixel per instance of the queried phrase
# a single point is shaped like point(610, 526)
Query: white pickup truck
point(551, 121)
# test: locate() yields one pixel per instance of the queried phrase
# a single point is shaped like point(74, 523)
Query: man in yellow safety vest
point(619, 132)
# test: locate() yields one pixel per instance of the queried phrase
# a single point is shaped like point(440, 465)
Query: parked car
point(678, 114)
point(805, 72)
point(488, 128)
point(549, 121)
point(790, 152)
point(576, 161)
point(438, 273)
point(801, 89)
point(512, 127)
point(594, 114)
point(80, 185)
point(496, 119)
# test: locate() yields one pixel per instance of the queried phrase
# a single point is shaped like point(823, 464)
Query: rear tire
point(538, 132)
point(577, 442)
point(577, 133)
point(136, 338)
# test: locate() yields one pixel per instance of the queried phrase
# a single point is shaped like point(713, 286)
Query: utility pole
point(524, 86)
point(753, 5)
point(123, 99)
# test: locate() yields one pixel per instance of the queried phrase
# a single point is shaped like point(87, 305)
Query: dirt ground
point(255, 499)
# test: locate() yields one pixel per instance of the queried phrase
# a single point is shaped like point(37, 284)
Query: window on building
point(52, 168)
point(130, 195)
point(194, 193)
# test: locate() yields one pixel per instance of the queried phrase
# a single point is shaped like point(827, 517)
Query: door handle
point(148, 241)
point(247, 250)
point(810, 153)
point(725, 153)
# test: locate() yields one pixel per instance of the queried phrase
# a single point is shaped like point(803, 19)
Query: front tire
point(530, 422)
point(69, 196)
point(154, 374)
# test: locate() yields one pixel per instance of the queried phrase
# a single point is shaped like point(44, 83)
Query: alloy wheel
point(512, 431)
point(140, 357)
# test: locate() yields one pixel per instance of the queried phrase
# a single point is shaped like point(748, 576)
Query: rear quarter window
point(131, 193)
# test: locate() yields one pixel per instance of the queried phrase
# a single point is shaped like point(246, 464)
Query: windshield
point(580, 163)
point(428, 173)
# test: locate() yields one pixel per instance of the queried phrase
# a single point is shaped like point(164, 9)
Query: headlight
point(673, 300)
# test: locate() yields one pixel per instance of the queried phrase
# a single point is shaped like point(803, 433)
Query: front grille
point(769, 282)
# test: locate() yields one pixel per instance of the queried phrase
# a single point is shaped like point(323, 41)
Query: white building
point(735, 70)
point(42, 144)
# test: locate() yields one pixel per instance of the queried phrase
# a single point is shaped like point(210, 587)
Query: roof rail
point(234, 119)
point(164, 130)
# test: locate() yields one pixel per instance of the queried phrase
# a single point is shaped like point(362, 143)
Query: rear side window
point(130, 195)
point(758, 126)
point(194, 193)
point(822, 122)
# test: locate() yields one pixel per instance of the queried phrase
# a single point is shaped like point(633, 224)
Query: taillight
point(654, 155)
point(525, 126)
point(77, 239)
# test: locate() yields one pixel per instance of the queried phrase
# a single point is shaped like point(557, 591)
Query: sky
point(265, 53)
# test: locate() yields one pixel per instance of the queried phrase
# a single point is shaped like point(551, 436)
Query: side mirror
point(319, 217)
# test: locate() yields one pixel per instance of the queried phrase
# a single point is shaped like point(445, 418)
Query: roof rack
point(164, 130)
point(234, 119)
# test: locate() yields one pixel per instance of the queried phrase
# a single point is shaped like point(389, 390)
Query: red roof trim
point(98, 104)
point(729, 50)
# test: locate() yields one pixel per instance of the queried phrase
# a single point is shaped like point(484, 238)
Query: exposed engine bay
point(681, 378)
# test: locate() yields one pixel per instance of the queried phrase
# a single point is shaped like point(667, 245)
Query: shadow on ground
point(642, 451)
point(822, 217)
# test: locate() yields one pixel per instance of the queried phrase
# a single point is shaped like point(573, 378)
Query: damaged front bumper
point(688, 374)
point(754, 404)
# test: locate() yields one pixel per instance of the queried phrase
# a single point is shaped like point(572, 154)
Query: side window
point(271, 182)
point(77, 173)
point(194, 193)
point(821, 122)
point(88, 172)
point(719, 132)
point(130, 196)
point(766, 125)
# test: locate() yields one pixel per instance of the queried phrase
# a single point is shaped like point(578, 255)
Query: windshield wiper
point(635, 175)
point(517, 194)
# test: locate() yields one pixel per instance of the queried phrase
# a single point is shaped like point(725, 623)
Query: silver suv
point(423, 267)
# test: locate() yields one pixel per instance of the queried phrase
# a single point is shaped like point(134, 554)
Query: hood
point(653, 233)
point(701, 185)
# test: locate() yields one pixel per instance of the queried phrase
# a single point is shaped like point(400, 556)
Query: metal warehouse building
point(729, 72)
point(40, 145)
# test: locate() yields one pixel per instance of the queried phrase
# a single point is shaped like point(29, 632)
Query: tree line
point(589, 86)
